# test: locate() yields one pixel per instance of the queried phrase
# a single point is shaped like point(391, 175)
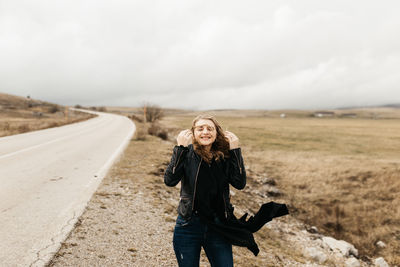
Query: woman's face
point(205, 132)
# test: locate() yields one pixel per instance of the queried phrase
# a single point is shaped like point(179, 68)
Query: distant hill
point(24, 114)
point(12, 106)
point(372, 106)
point(13, 102)
point(392, 106)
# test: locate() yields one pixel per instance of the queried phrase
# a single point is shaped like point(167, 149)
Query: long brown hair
point(220, 147)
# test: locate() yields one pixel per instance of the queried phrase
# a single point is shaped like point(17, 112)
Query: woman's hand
point(184, 138)
point(233, 140)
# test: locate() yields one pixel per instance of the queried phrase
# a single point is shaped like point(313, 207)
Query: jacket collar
point(193, 152)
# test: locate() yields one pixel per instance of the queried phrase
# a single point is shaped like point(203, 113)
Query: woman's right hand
point(184, 138)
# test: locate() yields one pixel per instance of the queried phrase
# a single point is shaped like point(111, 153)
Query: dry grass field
point(20, 115)
point(339, 174)
point(130, 219)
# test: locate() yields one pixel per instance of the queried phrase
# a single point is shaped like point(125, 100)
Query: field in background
point(21, 114)
point(339, 174)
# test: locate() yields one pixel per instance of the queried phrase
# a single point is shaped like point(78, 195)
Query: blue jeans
point(191, 235)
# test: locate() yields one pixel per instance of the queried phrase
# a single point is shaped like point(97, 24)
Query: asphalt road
point(46, 179)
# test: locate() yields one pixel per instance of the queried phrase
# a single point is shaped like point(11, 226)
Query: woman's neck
point(207, 148)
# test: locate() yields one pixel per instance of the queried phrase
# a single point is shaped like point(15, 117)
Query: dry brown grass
point(341, 175)
point(144, 162)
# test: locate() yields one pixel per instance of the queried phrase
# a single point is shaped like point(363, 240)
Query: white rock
point(380, 262)
point(352, 262)
point(345, 248)
point(323, 244)
point(381, 244)
point(318, 242)
point(273, 191)
point(269, 181)
point(315, 254)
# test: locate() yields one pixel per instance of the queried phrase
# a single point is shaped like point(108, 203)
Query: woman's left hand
point(233, 140)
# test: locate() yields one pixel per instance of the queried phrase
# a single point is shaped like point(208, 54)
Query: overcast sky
point(202, 54)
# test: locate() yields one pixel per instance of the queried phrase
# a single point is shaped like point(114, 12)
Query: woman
point(206, 160)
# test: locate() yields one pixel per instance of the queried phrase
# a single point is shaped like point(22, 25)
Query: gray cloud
point(202, 54)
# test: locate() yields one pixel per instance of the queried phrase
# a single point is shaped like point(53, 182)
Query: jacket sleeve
point(237, 172)
point(175, 171)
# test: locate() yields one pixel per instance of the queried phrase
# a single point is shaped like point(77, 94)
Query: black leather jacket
point(185, 166)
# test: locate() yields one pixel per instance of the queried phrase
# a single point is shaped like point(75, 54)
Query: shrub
point(163, 135)
point(140, 134)
point(135, 118)
point(52, 124)
point(53, 109)
point(23, 128)
point(6, 126)
point(156, 130)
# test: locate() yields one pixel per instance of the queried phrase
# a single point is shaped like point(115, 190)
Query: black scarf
point(211, 209)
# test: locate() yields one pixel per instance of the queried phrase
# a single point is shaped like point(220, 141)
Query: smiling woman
point(207, 134)
point(206, 161)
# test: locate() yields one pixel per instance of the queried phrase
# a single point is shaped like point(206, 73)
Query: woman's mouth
point(205, 138)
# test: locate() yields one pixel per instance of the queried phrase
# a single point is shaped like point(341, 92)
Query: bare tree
point(152, 112)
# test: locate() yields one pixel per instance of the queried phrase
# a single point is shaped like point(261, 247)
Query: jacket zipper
point(226, 211)
point(176, 162)
point(240, 168)
point(195, 184)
